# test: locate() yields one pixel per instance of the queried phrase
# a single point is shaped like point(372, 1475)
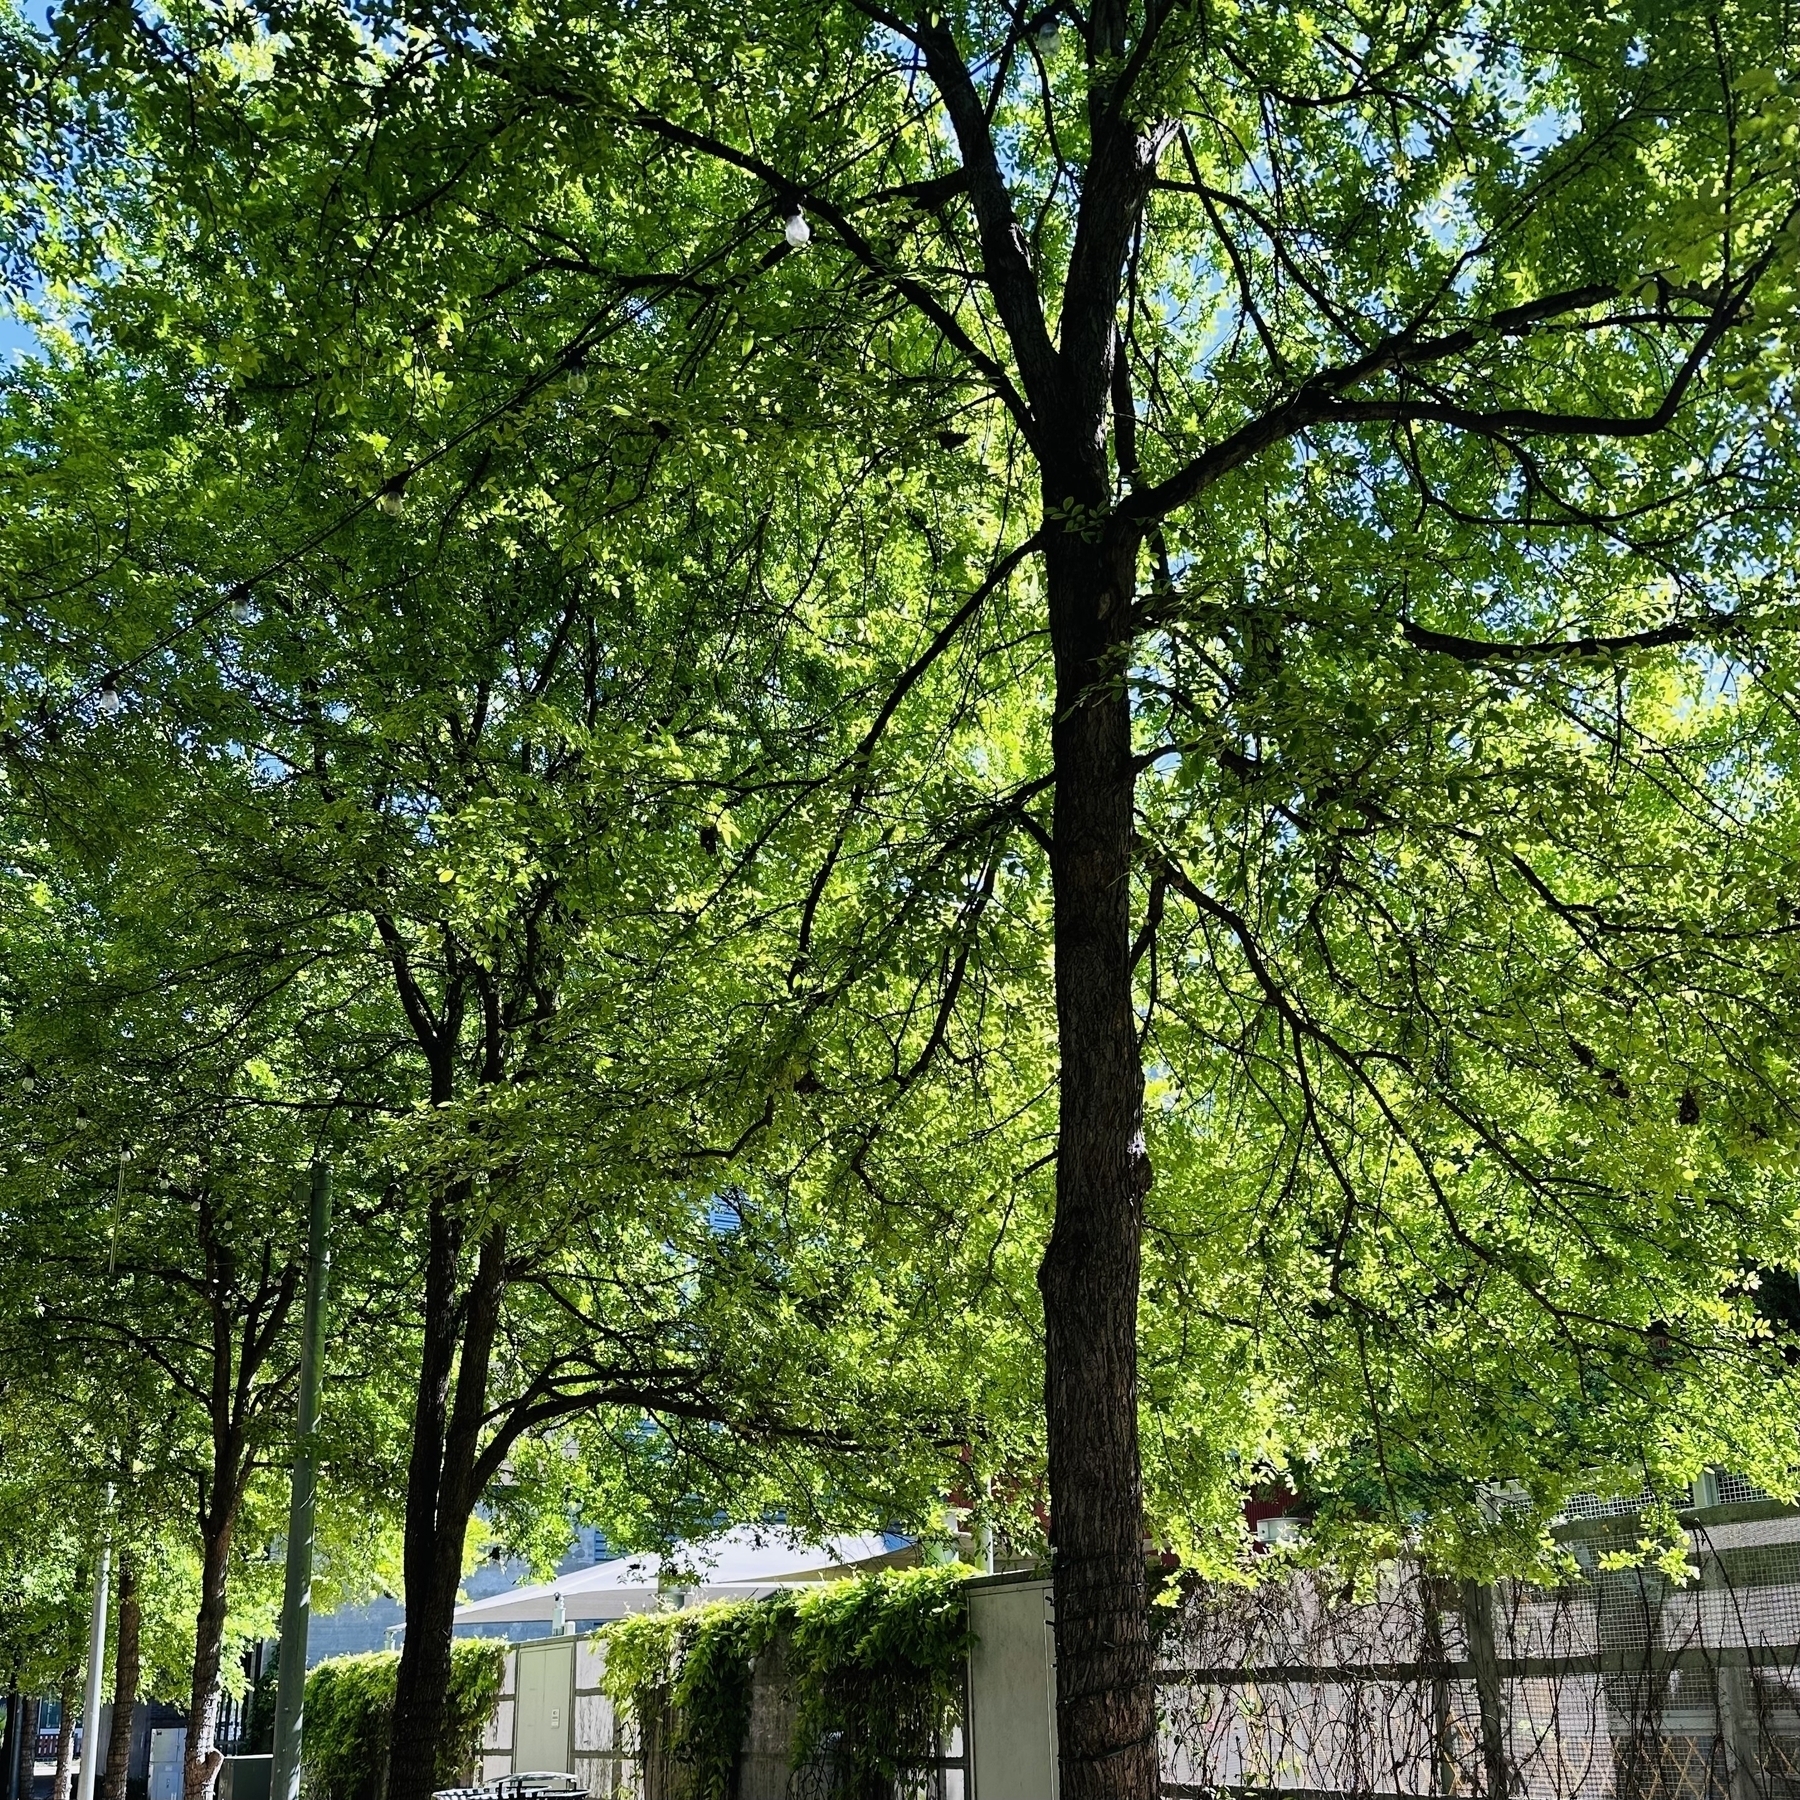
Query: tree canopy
point(814, 664)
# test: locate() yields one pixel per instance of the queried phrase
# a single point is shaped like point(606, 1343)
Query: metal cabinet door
point(1012, 1691)
point(544, 1711)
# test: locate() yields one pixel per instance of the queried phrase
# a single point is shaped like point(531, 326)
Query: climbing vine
point(692, 1672)
point(877, 1668)
point(350, 1710)
point(874, 1664)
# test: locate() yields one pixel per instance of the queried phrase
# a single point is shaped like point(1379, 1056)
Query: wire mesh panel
point(1622, 1685)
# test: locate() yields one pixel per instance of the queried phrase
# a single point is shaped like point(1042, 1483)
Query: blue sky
point(16, 340)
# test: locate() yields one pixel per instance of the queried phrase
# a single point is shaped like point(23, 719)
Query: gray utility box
point(168, 1748)
point(1012, 1689)
point(544, 1707)
point(246, 1777)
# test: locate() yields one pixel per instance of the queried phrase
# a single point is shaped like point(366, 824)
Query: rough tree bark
point(245, 1328)
point(218, 1520)
point(125, 1681)
point(446, 1473)
point(1106, 1716)
point(67, 1689)
point(1089, 1279)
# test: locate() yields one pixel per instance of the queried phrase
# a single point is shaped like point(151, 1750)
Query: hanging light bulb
point(111, 700)
point(1045, 33)
point(797, 232)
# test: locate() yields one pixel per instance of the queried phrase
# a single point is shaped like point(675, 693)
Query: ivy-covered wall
point(873, 1664)
point(349, 1714)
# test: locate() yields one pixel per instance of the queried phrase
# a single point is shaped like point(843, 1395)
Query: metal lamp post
point(296, 1600)
point(89, 1777)
point(90, 1700)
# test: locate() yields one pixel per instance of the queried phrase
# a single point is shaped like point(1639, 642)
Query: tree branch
point(1320, 398)
point(865, 252)
point(1483, 650)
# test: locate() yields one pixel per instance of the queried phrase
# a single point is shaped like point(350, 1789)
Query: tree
point(146, 1242)
point(46, 1541)
point(468, 847)
point(72, 1484)
point(1323, 344)
point(1220, 272)
point(127, 1666)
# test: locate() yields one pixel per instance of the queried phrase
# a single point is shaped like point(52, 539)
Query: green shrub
point(349, 1704)
point(350, 1710)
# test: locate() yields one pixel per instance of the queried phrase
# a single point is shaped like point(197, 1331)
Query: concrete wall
point(605, 1747)
point(495, 1759)
point(600, 1755)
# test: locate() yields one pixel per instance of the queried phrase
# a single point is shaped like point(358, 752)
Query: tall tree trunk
point(200, 1769)
point(424, 1673)
point(125, 1681)
point(66, 1691)
point(443, 1485)
point(244, 1330)
point(1105, 1702)
point(23, 1766)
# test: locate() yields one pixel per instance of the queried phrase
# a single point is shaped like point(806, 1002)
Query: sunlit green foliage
point(1461, 698)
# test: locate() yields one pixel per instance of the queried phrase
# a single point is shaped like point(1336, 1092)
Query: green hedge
point(875, 1664)
point(350, 1710)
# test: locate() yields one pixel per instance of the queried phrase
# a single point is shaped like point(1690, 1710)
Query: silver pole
point(90, 1703)
point(296, 1600)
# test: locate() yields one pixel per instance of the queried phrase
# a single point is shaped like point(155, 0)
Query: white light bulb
point(798, 233)
point(111, 700)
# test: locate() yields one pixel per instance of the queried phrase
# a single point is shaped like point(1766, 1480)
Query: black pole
point(9, 1750)
point(15, 1741)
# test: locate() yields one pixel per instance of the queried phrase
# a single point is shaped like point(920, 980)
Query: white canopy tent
point(743, 1564)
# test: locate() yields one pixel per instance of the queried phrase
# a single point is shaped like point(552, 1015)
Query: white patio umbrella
point(745, 1563)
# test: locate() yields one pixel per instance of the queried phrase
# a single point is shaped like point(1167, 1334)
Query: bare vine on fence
point(1620, 1685)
